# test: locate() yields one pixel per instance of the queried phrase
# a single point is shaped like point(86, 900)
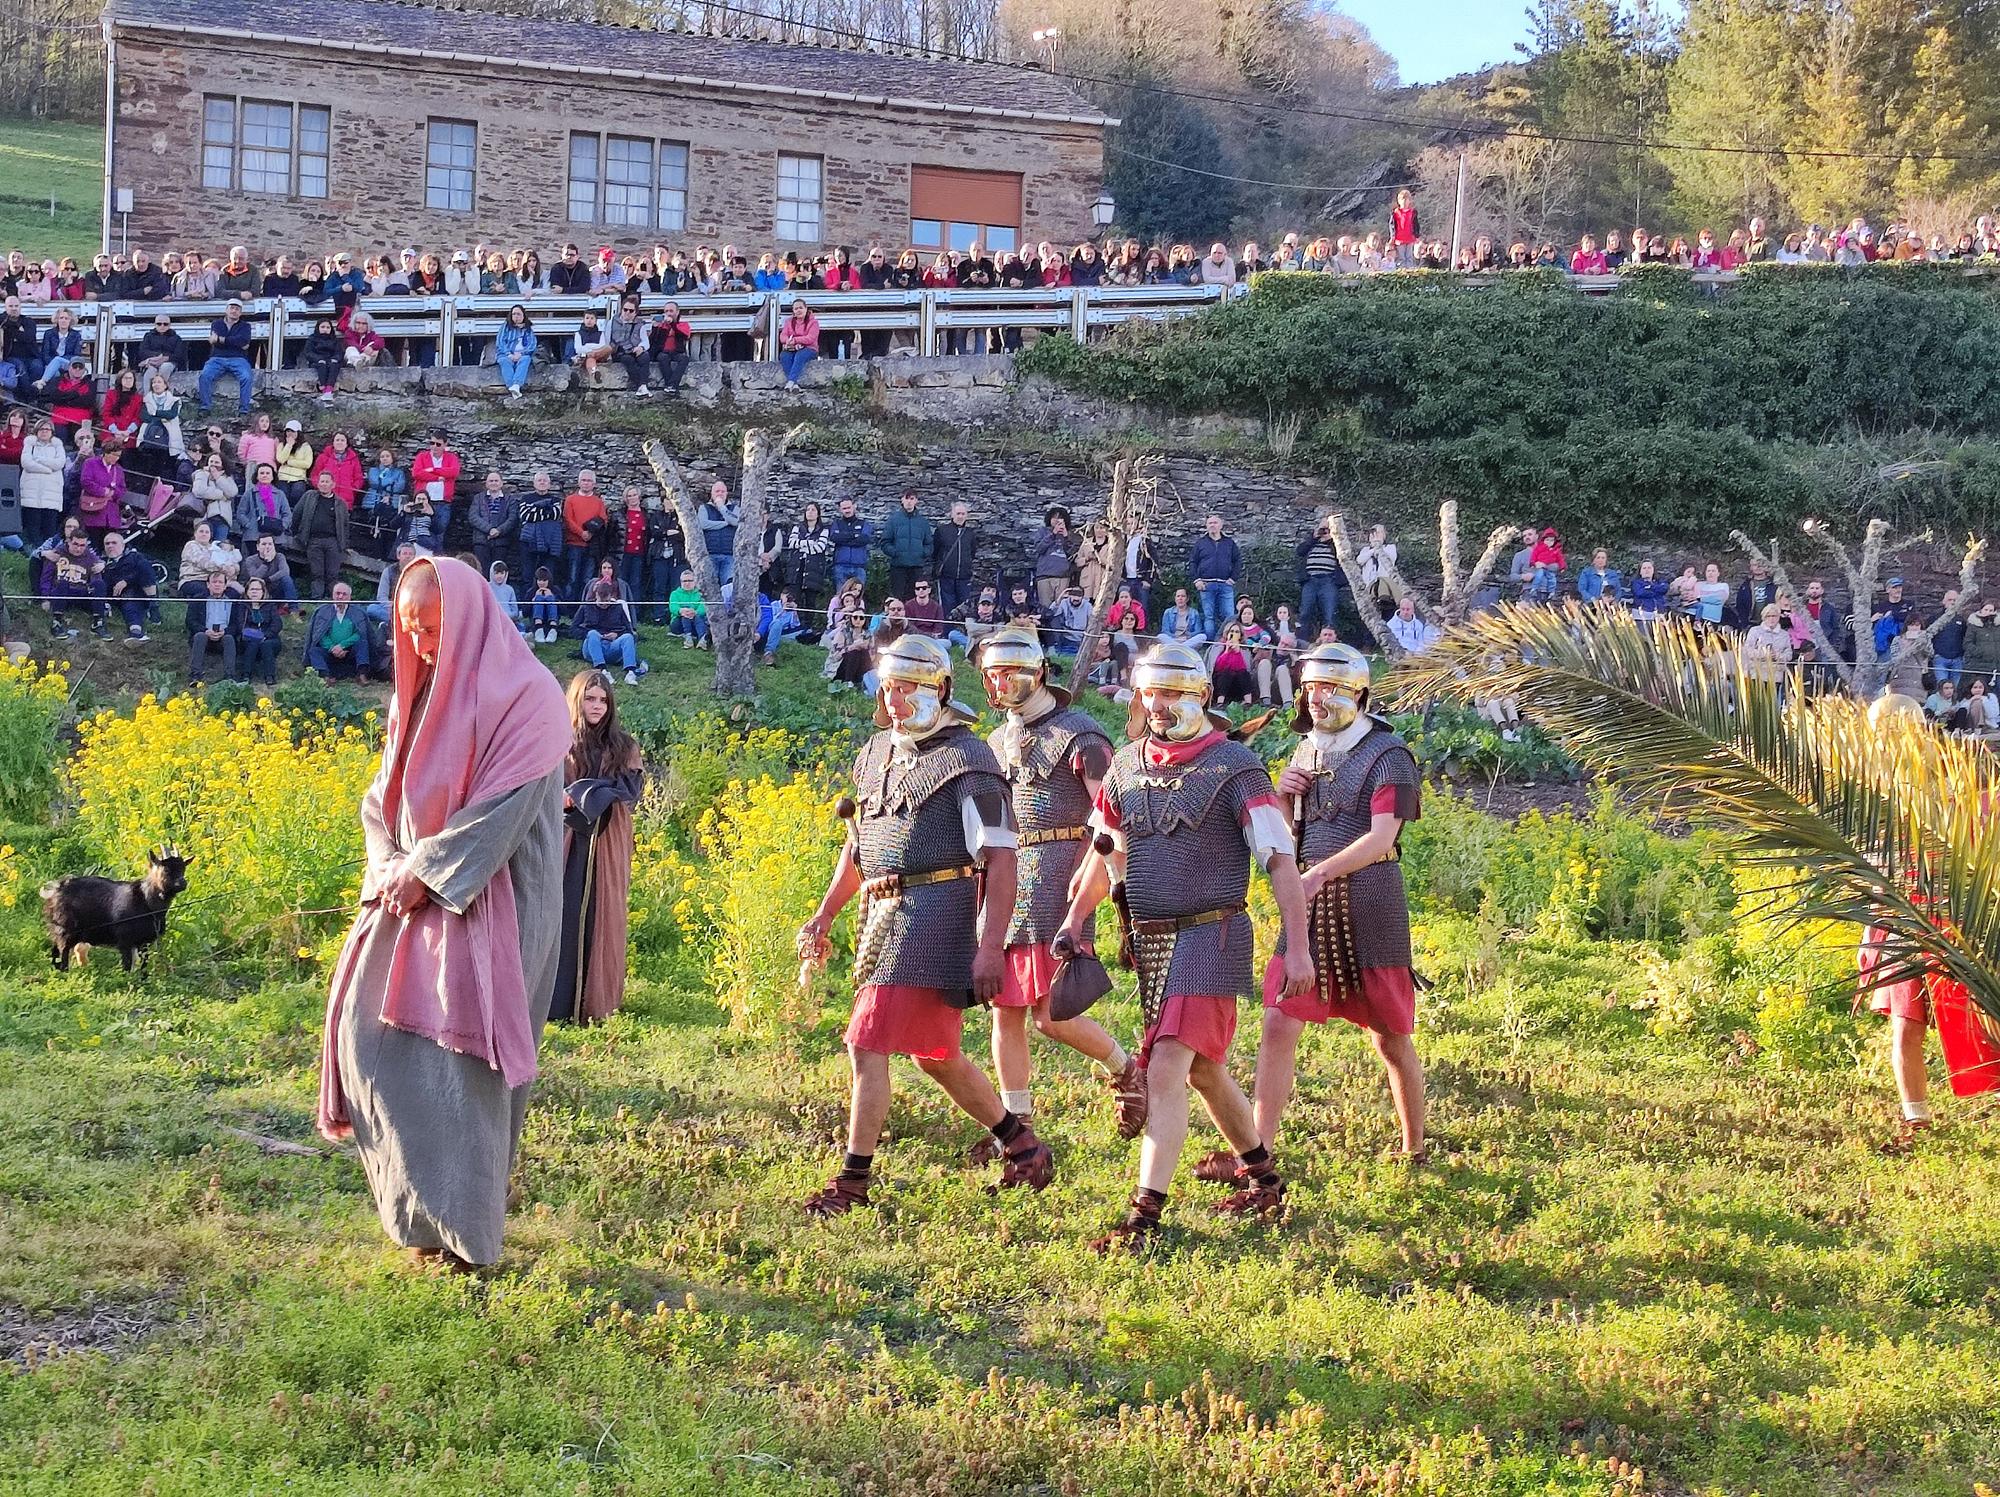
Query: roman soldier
point(1182, 813)
point(1054, 757)
point(930, 851)
point(1349, 789)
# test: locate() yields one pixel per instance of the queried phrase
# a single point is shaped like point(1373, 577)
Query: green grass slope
point(44, 159)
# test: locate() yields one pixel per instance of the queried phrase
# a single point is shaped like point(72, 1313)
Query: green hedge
point(1424, 358)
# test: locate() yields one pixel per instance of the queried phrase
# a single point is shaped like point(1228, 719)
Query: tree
point(1135, 497)
point(1457, 588)
point(1173, 201)
point(732, 627)
point(1735, 81)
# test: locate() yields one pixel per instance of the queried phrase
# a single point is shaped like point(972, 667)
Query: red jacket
point(121, 414)
point(1403, 225)
point(348, 479)
point(427, 469)
point(839, 278)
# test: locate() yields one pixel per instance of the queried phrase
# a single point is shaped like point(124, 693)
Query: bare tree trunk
point(1129, 494)
point(1455, 599)
point(1364, 602)
point(732, 627)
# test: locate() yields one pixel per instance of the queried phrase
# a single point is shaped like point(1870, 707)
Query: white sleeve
point(1267, 834)
point(980, 834)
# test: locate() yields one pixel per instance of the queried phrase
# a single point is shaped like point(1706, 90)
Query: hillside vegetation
point(1658, 407)
point(40, 160)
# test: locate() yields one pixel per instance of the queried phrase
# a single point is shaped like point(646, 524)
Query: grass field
point(1661, 1254)
point(40, 159)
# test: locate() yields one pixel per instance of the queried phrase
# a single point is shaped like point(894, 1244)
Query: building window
point(448, 165)
point(260, 145)
point(673, 205)
point(799, 198)
point(628, 180)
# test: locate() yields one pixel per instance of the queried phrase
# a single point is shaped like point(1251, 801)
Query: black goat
point(131, 914)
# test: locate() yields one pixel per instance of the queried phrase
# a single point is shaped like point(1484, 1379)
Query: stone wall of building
point(380, 109)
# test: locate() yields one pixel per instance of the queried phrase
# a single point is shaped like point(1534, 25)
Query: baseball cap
point(293, 425)
point(236, 302)
point(460, 257)
point(1893, 582)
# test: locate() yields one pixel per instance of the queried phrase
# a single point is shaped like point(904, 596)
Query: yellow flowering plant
point(263, 803)
point(34, 700)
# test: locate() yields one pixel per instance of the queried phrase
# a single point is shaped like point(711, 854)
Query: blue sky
point(1433, 39)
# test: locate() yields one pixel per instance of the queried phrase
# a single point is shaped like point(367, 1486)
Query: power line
point(1467, 125)
point(1258, 181)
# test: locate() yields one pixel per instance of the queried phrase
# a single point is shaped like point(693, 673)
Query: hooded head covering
point(489, 720)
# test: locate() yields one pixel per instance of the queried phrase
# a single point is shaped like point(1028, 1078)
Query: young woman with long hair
point(602, 777)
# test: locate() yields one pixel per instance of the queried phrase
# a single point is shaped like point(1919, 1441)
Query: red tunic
point(893, 1020)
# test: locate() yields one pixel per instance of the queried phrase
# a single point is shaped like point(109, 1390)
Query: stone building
point(375, 124)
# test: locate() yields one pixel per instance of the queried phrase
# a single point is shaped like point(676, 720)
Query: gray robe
point(406, 1092)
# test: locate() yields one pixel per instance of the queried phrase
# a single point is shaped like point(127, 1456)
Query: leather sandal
point(840, 1197)
point(986, 1151)
point(1134, 1235)
point(1220, 1168)
point(1128, 1092)
point(1031, 1163)
point(1254, 1200)
point(1909, 1133)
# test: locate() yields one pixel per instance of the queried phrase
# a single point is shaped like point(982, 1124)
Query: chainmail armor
point(1048, 796)
point(1334, 814)
point(907, 820)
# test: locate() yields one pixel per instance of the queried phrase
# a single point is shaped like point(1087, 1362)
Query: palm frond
point(1865, 823)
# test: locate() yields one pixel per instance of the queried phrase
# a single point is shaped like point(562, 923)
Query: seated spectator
point(514, 350)
point(1067, 620)
point(1125, 610)
point(264, 508)
point(1711, 595)
point(979, 621)
point(1284, 635)
point(294, 461)
point(160, 430)
point(162, 348)
point(1909, 657)
point(1412, 634)
point(260, 635)
point(1545, 563)
point(544, 608)
point(215, 625)
point(1982, 708)
point(1649, 592)
point(589, 346)
point(1943, 707)
point(846, 641)
point(123, 408)
point(668, 344)
point(337, 641)
point(503, 594)
point(777, 622)
point(1181, 623)
point(923, 611)
point(130, 584)
point(365, 346)
point(608, 630)
point(1767, 648)
point(61, 349)
point(325, 353)
point(798, 342)
point(228, 354)
point(1229, 668)
point(72, 402)
point(73, 578)
point(1599, 581)
point(267, 564)
point(626, 333)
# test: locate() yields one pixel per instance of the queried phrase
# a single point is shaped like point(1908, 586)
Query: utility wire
point(1258, 181)
point(1468, 125)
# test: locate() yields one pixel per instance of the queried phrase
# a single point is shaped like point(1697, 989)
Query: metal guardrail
point(924, 315)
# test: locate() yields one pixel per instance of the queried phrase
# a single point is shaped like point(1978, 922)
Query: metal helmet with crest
point(915, 660)
point(1169, 666)
point(1017, 651)
point(1340, 666)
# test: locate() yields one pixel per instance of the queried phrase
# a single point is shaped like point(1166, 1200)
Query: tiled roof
point(387, 26)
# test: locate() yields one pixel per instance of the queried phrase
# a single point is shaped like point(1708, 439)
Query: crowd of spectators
point(37, 345)
point(277, 517)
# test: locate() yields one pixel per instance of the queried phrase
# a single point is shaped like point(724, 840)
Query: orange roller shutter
point(949, 195)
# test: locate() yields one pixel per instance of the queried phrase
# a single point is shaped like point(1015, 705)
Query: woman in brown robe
point(603, 776)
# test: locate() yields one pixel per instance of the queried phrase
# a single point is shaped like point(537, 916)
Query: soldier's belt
point(1184, 922)
point(1393, 855)
point(1055, 834)
point(889, 885)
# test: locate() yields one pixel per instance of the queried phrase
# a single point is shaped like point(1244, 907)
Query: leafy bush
point(33, 702)
point(1607, 875)
point(261, 802)
point(762, 855)
point(1457, 743)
